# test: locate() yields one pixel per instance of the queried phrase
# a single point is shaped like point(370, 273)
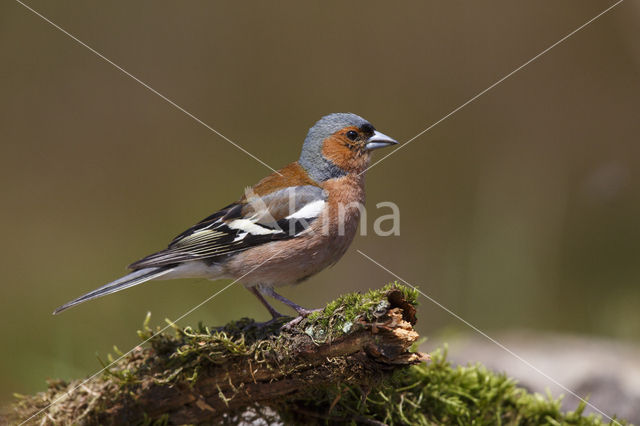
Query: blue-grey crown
point(311, 158)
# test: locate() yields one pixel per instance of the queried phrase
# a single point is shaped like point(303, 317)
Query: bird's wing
point(252, 221)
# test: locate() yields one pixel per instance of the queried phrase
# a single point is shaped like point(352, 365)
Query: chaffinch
point(289, 226)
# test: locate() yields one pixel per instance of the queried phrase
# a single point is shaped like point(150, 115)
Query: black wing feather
point(212, 239)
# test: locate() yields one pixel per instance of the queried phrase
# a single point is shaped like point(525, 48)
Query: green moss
point(340, 315)
point(435, 393)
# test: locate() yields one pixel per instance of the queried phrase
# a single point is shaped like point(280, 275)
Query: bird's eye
point(352, 135)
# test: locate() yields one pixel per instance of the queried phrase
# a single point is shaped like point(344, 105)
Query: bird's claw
point(302, 314)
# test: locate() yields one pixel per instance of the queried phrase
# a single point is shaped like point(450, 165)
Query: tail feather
point(129, 280)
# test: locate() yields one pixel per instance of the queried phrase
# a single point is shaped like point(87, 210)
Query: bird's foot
point(302, 314)
point(272, 322)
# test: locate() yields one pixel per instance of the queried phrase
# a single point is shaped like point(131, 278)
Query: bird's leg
point(299, 309)
point(275, 314)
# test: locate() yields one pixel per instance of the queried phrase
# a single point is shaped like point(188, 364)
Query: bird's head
point(339, 144)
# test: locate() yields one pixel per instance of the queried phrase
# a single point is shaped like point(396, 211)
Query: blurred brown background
point(520, 211)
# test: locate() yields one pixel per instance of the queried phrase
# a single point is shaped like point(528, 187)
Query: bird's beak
point(379, 140)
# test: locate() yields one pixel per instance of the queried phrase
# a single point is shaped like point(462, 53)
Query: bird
point(289, 226)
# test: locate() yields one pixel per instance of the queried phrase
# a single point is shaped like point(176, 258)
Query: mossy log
point(349, 364)
point(217, 374)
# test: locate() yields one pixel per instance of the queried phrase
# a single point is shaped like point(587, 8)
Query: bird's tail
point(134, 278)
